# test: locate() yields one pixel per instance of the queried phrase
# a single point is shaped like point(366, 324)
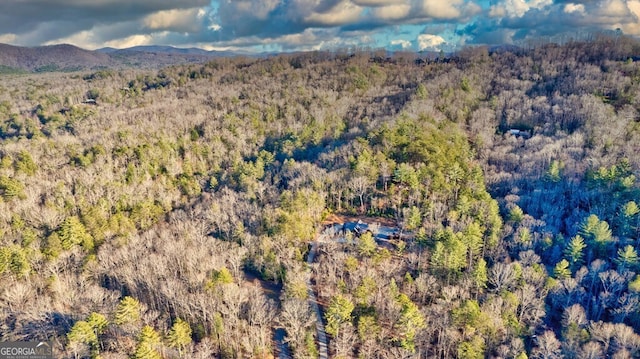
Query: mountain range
point(64, 57)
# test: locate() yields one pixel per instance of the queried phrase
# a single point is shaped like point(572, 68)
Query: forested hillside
point(169, 214)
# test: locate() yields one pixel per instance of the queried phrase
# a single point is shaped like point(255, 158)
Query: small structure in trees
point(519, 133)
point(358, 228)
point(90, 101)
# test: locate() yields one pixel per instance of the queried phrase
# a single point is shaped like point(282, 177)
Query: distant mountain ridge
point(160, 49)
point(65, 57)
point(52, 58)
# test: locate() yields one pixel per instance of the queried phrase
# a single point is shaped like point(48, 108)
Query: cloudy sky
point(287, 25)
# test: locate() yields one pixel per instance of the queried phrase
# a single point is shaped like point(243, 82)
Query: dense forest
point(167, 214)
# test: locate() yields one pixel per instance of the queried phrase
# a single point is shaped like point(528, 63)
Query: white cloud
point(471, 9)
point(307, 40)
point(633, 27)
point(534, 18)
point(84, 39)
point(439, 9)
point(377, 2)
point(517, 8)
point(130, 41)
point(497, 11)
point(613, 8)
point(99, 35)
point(88, 40)
point(305, 24)
point(574, 8)
point(538, 4)
point(429, 42)
point(404, 44)
point(8, 38)
point(257, 9)
point(344, 13)
point(187, 20)
point(392, 12)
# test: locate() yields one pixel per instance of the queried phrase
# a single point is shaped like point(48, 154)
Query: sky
point(303, 25)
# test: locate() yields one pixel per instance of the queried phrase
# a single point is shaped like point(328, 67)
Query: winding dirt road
point(321, 335)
